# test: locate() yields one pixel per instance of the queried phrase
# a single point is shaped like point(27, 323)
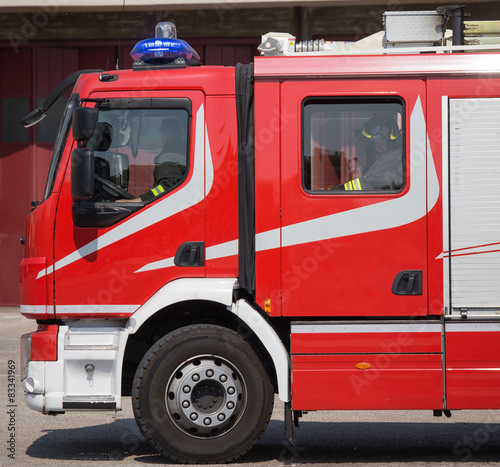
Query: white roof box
point(410, 28)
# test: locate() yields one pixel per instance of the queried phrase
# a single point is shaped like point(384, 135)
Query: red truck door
point(354, 198)
point(111, 256)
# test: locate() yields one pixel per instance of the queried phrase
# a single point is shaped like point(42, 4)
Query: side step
point(89, 403)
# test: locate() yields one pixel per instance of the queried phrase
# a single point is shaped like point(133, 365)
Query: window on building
point(13, 109)
point(353, 145)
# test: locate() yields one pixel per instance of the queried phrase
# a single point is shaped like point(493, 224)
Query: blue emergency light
point(164, 48)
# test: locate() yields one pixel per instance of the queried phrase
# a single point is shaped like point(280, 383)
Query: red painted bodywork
point(108, 276)
point(312, 274)
point(399, 369)
point(380, 342)
point(44, 343)
point(39, 252)
point(395, 381)
point(473, 369)
point(348, 277)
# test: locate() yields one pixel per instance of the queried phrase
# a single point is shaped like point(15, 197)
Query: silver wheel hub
point(204, 396)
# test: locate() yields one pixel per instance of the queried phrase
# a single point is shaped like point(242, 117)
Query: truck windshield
point(61, 138)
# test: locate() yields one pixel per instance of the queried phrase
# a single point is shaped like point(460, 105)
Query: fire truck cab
point(325, 219)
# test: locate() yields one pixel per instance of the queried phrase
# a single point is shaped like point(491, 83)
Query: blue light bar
point(162, 51)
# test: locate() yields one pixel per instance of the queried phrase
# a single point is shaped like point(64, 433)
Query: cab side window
point(142, 151)
point(353, 145)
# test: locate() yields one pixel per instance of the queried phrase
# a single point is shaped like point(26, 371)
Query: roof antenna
point(120, 37)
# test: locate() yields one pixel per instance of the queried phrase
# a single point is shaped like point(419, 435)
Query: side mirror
point(33, 117)
point(82, 174)
point(84, 123)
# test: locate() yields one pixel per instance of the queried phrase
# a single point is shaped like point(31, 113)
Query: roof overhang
point(114, 5)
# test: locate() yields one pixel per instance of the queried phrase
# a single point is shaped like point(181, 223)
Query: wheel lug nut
point(230, 405)
point(207, 421)
point(193, 416)
point(195, 377)
point(221, 417)
point(186, 389)
point(186, 404)
point(230, 390)
point(209, 373)
point(223, 378)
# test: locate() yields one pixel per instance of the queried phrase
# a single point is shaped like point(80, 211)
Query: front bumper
point(73, 367)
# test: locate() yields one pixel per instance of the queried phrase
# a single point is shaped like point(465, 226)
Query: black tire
point(202, 395)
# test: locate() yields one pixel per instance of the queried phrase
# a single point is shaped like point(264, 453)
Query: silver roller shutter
point(475, 203)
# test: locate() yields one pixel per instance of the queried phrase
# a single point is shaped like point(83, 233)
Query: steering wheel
point(113, 189)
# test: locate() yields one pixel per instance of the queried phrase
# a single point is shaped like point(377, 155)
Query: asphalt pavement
point(341, 438)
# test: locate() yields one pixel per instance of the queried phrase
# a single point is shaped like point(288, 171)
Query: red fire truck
point(321, 224)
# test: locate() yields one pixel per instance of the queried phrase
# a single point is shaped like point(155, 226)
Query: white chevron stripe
point(420, 199)
point(191, 194)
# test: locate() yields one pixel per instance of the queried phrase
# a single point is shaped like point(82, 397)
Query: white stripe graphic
point(386, 214)
point(420, 199)
point(33, 309)
point(186, 197)
point(473, 250)
point(445, 156)
point(97, 309)
point(161, 264)
point(222, 251)
point(268, 240)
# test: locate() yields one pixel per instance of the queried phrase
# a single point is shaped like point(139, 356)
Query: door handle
point(190, 254)
point(408, 283)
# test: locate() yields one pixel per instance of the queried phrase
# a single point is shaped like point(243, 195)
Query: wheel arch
point(212, 290)
point(210, 301)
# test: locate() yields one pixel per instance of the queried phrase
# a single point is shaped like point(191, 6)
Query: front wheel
point(201, 394)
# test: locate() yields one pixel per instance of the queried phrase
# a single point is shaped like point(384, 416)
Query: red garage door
point(15, 166)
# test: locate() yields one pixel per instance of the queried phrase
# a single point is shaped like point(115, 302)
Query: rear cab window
point(353, 145)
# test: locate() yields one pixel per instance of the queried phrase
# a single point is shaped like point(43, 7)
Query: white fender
point(267, 335)
point(220, 291)
point(213, 290)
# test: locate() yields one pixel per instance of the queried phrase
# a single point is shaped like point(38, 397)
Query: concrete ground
point(324, 438)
